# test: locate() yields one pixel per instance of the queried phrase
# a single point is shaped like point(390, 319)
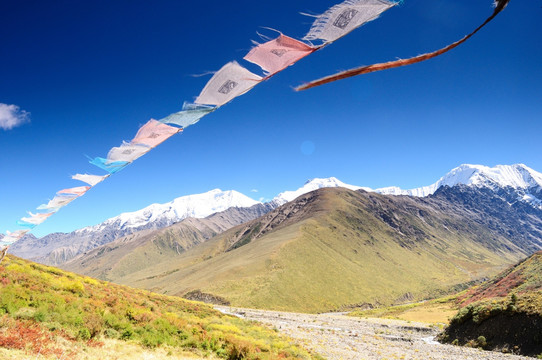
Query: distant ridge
point(56, 248)
point(518, 176)
point(335, 247)
point(516, 183)
point(311, 185)
point(526, 181)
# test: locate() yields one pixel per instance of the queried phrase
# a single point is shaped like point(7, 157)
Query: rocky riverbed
point(337, 336)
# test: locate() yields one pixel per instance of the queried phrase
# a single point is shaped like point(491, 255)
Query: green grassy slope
point(504, 313)
point(146, 248)
point(142, 249)
point(46, 311)
point(523, 278)
point(335, 247)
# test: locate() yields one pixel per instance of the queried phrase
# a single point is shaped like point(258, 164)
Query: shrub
point(94, 324)
point(482, 342)
point(152, 339)
point(40, 315)
point(25, 313)
point(127, 334)
point(75, 287)
point(111, 333)
point(84, 334)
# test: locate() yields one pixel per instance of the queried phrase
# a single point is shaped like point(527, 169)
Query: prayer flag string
point(499, 6)
point(231, 81)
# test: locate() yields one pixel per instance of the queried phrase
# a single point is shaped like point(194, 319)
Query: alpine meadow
point(270, 180)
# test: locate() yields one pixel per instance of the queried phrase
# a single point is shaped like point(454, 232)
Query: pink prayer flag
point(153, 133)
point(80, 190)
point(276, 55)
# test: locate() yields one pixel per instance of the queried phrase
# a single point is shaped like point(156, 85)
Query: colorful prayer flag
point(153, 133)
point(189, 115)
point(36, 219)
point(25, 224)
point(79, 191)
point(109, 166)
point(230, 81)
point(92, 180)
point(277, 54)
point(499, 6)
point(57, 202)
point(345, 17)
point(127, 152)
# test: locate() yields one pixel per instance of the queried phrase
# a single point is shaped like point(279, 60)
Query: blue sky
point(90, 73)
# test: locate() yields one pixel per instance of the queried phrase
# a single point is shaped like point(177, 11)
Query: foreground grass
point(108, 350)
point(48, 312)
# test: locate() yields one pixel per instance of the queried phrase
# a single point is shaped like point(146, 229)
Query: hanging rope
point(499, 6)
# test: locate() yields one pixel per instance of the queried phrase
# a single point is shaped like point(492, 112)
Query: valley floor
point(337, 336)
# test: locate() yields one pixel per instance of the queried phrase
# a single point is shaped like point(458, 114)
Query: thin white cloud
point(12, 116)
point(254, 190)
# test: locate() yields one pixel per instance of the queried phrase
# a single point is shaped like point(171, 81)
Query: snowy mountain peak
point(197, 205)
point(309, 186)
point(518, 176)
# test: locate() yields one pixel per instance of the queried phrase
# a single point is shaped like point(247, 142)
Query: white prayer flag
point(36, 219)
point(226, 84)
point(127, 152)
point(57, 202)
point(90, 179)
point(345, 17)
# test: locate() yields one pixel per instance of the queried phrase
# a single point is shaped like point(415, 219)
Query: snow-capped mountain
point(510, 182)
point(65, 246)
point(524, 180)
point(309, 186)
point(161, 215)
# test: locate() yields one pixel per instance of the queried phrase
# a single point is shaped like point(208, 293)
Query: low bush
point(41, 300)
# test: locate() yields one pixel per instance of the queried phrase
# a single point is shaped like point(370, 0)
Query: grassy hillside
point(49, 312)
point(146, 248)
point(504, 313)
point(333, 248)
point(437, 311)
point(143, 249)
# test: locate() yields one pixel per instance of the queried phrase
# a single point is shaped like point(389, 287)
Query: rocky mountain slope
point(147, 248)
point(517, 185)
point(336, 247)
point(525, 182)
point(499, 210)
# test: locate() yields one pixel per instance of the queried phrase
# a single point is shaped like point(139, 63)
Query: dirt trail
point(336, 336)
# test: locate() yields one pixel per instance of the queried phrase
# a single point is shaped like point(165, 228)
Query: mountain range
point(522, 184)
point(363, 245)
point(56, 248)
point(334, 247)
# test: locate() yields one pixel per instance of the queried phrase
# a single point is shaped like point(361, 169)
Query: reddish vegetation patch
point(32, 338)
point(499, 288)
